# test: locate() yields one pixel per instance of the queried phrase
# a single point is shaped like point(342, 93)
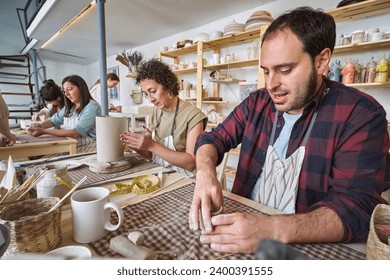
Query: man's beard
point(310, 90)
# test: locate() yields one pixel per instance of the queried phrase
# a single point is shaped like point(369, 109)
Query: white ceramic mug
point(216, 58)
point(91, 214)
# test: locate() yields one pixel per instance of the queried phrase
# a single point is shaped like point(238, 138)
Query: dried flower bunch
point(131, 59)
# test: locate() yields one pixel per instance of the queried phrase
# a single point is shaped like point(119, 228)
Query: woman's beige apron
point(85, 144)
point(168, 143)
point(280, 178)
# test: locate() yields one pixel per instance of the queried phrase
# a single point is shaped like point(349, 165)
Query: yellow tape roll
point(139, 185)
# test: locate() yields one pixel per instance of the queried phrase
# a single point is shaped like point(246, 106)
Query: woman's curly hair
point(154, 69)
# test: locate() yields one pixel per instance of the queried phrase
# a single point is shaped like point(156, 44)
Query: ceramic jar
point(382, 70)
point(346, 40)
point(334, 71)
point(358, 37)
point(376, 36)
point(54, 182)
point(370, 71)
point(369, 32)
point(348, 73)
point(358, 73)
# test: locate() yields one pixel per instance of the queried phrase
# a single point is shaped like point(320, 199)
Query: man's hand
point(207, 198)
point(238, 232)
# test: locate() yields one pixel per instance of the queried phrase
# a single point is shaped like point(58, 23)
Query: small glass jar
point(370, 71)
point(347, 40)
point(357, 37)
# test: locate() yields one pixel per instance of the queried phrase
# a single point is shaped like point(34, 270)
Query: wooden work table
point(53, 145)
point(162, 216)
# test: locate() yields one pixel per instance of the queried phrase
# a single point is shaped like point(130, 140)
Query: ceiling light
point(72, 21)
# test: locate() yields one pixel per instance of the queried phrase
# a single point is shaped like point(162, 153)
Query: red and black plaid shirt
point(345, 159)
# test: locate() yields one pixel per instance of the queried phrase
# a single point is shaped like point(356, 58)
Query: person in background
point(76, 119)
point(112, 81)
point(6, 137)
point(175, 123)
point(52, 99)
point(312, 148)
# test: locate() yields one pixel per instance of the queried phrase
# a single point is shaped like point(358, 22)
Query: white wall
point(276, 8)
point(57, 71)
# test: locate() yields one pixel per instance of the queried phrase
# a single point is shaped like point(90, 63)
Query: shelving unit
point(215, 46)
point(362, 47)
point(370, 85)
point(350, 12)
point(358, 11)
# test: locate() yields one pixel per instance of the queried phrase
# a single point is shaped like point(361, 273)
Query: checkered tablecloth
point(27, 138)
point(138, 163)
point(164, 222)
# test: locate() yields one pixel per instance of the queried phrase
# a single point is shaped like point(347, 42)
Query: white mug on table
point(91, 214)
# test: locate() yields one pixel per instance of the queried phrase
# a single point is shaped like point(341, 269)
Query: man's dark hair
point(314, 28)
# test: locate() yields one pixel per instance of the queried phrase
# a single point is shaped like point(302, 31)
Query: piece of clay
point(136, 237)
point(127, 249)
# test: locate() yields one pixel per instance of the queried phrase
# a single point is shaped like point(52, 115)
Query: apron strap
point(305, 139)
point(271, 142)
point(174, 118)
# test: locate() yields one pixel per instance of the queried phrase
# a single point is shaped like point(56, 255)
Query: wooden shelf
point(225, 81)
point(233, 64)
point(361, 47)
point(231, 102)
point(360, 10)
point(235, 151)
point(370, 85)
point(132, 75)
point(238, 38)
point(179, 52)
point(235, 39)
point(185, 71)
point(230, 172)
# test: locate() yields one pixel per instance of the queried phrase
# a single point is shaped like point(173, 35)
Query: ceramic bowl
point(375, 36)
point(71, 253)
point(262, 13)
point(201, 37)
point(182, 43)
point(215, 34)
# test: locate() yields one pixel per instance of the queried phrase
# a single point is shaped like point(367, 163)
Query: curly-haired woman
point(175, 123)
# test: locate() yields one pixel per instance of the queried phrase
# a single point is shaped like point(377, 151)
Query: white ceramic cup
point(91, 214)
point(217, 58)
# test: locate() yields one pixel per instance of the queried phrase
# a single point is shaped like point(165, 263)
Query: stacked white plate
point(233, 28)
point(201, 37)
point(258, 19)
